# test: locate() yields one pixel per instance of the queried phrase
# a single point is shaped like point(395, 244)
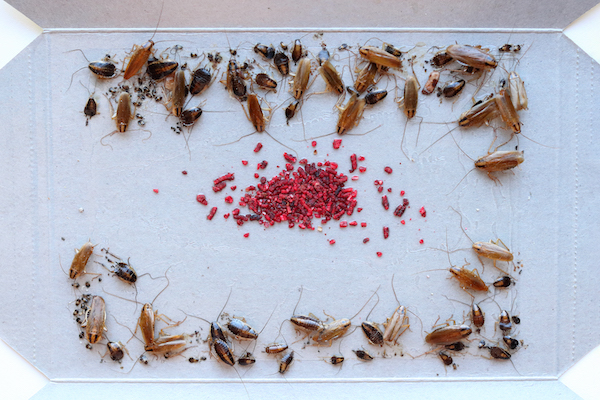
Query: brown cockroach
point(371, 329)
point(477, 316)
point(265, 81)
point(388, 48)
point(95, 320)
point(168, 345)
point(160, 69)
point(445, 357)
point(103, 69)
point(275, 348)
point(291, 109)
point(351, 114)
point(332, 77)
point(480, 113)
point(201, 80)
point(366, 77)
point(335, 360)
point(297, 50)
point(234, 82)
point(499, 353)
point(469, 279)
point(451, 89)
point(80, 260)
point(90, 109)
point(363, 355)
point(448, 334)
point(116, 350)
point(409, 103)
point(178, 94)
point(282, 63)
point(246, 359)
point(301, 79)
point(140, 54)
point(458, 346)
point(507, 111)
point(122, 116)
point(285, 362)
point(503, 282)
point(431, 83)
point(380, 57)
point(190, 116)
point(440, 59)
point(268, 52)
point(472, 56)
point(241, 330)
point(512, 343)
point(308, 323)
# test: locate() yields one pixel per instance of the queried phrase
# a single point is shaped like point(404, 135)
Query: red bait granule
point(226, 215)
point(385, 202)
point(361, 158)
point(244, 162)
point(366, 240)
point(386, 232)
point(423, 212)
point(212, 213)
point(246, 235)
point(379, 254)
point(353, 223)
point(401, 208)
point(389, 190)
point(184, 172)
point(314, 143)
point(201, 199)
point(359, 209)
point(256, 175)
point(258, 147)
point(343, 224)
point(334, 165)
point(226, 177)
point(402, 193)
point(233, 187)
point(219, 186)
point(229, 199)
point(262, 165)
point(332, 242)
point(337, 143)
point(155, 191)
point(299, 196)
point(421, 241)
point(363, 224)
point(289, 158)
point(353, 163)
point(354, 177)
point(380, 189)
point(362, 169)
point(403, 222)
point(388, 170)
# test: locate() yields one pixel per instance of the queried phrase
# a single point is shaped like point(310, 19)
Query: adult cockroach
point(431, 83)
point(448, 334)
point(178, 94)
point(301, 79)
point(140, 54)
point(332, 77)
point(516, 88)
point(122, 116)
point(507, 111)
point(95, 320)
point(380, 57)
point(366, 77)
point(351, 114)
point(409, 103)
point(80, 260)
point(472, 56)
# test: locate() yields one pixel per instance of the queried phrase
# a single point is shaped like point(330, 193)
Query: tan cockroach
point(409, 103)
point(116, 350)
point(351, 114)
point(301, 79)
point(398, 323)
point(80, 260)
point(332, 78)
point(178, 94)
point(122, 117)
point(516, 88)
point(472, 56)
point(366, 77)
point(95, 320)
point(380, 57)
point(362, 354)
point(448, 334)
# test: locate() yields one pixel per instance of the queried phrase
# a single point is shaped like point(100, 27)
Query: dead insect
point(332, 77)
point(451, 89)
point(445, 357)
point(380, 57)
point(504, 322)
point(290, 110)
point(335, 360)
point(241, 330)
point(160, 69)
point(505, 48)
point(323, 55)
point(363, 355)
point(140, 54)
point(398, 323)
point(510, 342)
point(275, 348)
point(80, 260)
point(178, 94)
point(122, 116)
point(81, 335)
point(193, 360)
point(503, 282)
point(282, 63)
point(116, 350)
point(143, 359)
point(301, 79)
point(441, 59)
point(103, 69)
point(477, 316)
point(388, 48)
point(201, 80)
point(472, 56)
point(246, 359)
point(297, 50)
point(448, 334)
point(458, 346)
point(366, 77)
point(507, 111)
point(375, 96)
point(95, 320)
point(190, 116)
point(265, 81)
point(234, 82)
point(267, 52)
point(431, 83)
point(516, 319)
point(371, 329)
point(499, 353)
point(518, 95)
point(350, 115)
point(285, 362)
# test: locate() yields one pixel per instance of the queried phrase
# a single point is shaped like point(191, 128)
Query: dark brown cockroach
point(335, 360)
point(140, 54)
point(350, 115)
point(388, 48)
point(332, 77)
point(246, 359)
point(178, 94)
point(445, 357)
point(285, 362)
point(241, 330)
point(301, 79)
point(122, 116)
point(297, 50)
point(116, 350)
point(90, 109)
point(366, 77)
point(458, 346)
point(363, 355)
point(505, 48)
point(504, 321)
point(290, 110)
point(380, 57)
point(477, 316)
point(511, 342)
point(499, 353)
point(103, 69)
point(201, 80)
point(223, 351)
point(516, 319)
point(431, 83)
point(282, 63)
point(451, 89)
point(409, 103)
point(503, 282)
point(160, 69)
point(448, 334)
point(323, 55)
point(375, 96)
point(255, 113)
point(235, 83)
point(80, 260)
point(308, 323)
point(265, 81)
point(472, 56)
point(190, 116)
point(440, 59)
point(267, 52)
point(95, 320)
point(373, 333)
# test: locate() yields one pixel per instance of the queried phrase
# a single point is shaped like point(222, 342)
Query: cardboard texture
point(54, 166)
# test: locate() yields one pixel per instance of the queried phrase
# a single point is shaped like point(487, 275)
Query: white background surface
point(22, 380)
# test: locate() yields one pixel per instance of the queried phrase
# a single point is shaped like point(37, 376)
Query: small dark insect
point(265, 81)
point(87, 285)
point(510, 342)
point(78, 320)
point(88, 346)
point(516, 319)
point(451, 89)
point(335, 360)
point(81, 335)
point(373, 333)
point(388, 48)
point(297, 50)
point(503, 282)
point(440, 59)
point(344, 46)
point(193, 55)
point(75, 313)
point(115, 349)
point(267, 52)
point(160, 69)
point(193, 360)
point(90, 109)
point(363, 355)
point(504, 321)
point(323, 55)
point(445, 357)
point(481, 344)
point(189, 117)
point(375, 97)
point(282, 62)
point(458, 346)
point(143, 359)
point(505, 48)
point(201, 79)
point(499, 353)
point(290, 110)
point(246, 359)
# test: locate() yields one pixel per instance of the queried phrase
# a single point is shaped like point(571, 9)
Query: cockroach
point(285, 362)
point(448, 334)
point(80, 260)
point(282, 63)
point(122, 116)
point(193, 360)
point(503, 282)
point(499, 353)
point(116, 350)
point(504, 321)
point(495, 162)
point(140, 54)
point(335, 360)
point(267, 52)
point(375, 96)
point(371, 329)
point(291, 109)
point(297, 50)
point(178, 94)
point(516, 320)
point(265, 81)
point(472, 56)
point(308, 323)
point(323, 55)
point(398, 323)
point(468, 279)
point(380, 57)
point(160, 69)
point(440, 59)
point(246, 359)
point(431, 83)
point(351, 114)
point(480, 113)
point(411, 97)
point(95, 320)
point(201, 80)
point(255, 113)
point(190, 116)
point(234, 82)
point(301, 79)
point(458, 346)
point(518, 94)
point(477, 316)
point(366, 77)
point(505, 48)
point(143, 359)
point(90, 109)
point(388, 48)
point(507, 111)
point(445, 357)
point(103, 69)
point(275, 348)
point(332, 77)
point(511, 342)
point(363, 355)
point(168, 345)
point(451, 89)
point(241, 330)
